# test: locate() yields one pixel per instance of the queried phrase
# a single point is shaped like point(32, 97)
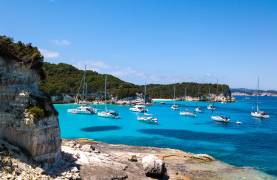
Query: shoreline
point(90, 159)
point(179, 164)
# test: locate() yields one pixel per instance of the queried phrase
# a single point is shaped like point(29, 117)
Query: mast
point(145, 94)
point(174, 95)
point(106, 93)
point(84, 85)
point(216, 90)
point(185, 93)
point(209, 93)
point(198, 92)
point(257, 95)
point(217, 87)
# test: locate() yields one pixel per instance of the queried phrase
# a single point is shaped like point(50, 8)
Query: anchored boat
point(81, 99)
point(222, 119)
point(174, 106)
point(107, 113)
point(258, 113)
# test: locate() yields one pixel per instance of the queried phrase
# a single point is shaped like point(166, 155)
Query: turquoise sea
point(253, 143)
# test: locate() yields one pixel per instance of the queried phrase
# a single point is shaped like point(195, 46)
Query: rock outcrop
point(27, 117)
point(153, 166)
point(86, 159)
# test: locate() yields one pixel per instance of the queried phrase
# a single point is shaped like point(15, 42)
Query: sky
point(153, 41)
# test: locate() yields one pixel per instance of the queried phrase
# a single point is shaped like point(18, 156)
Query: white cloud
point(49, 54)
point(126, 73)
point(137, 76)
point(61, 42)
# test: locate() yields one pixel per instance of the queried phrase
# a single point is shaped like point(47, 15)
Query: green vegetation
point(36, 111)
point(62, 78)
point(25, 54)
point(65, 79)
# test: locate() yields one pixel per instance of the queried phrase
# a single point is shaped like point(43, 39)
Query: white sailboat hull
point(220, 119)
point(187, 113)
point(106, 114)
point(260, 115)
point(82, 110)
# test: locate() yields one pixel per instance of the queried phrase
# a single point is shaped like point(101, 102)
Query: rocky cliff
point(27, 118)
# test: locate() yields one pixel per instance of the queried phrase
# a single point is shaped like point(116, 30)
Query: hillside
point(65, 78)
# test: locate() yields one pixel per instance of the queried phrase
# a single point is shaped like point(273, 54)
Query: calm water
point(253, 143)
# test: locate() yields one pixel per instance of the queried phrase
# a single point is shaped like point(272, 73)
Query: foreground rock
point(86, 159)
point(153, 166)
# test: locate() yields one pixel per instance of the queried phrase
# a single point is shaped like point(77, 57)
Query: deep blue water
point(253, 143)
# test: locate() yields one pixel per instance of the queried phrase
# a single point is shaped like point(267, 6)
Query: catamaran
point(107, 113)
point(174, 106)
point(81, 99)
point(258, 113)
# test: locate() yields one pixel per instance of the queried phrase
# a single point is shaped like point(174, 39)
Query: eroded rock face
point(36, 132)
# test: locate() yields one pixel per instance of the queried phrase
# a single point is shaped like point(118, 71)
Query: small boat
point(148, 119)
point(238, 122)
point(84, 102)
point(139, 108)
point(222, 119)
point(258, 113)
point(187, 113)
point(162, 102)
point(174, 107)
point(211, 107)
point(83, 110)
point(107, 113)
point(198, 109)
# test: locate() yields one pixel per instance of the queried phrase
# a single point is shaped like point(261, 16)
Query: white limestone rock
point(153, 166)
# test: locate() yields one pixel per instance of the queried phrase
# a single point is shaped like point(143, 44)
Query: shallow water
point(253, 143)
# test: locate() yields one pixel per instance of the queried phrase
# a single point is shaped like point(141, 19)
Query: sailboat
point(258, 113)
point(211, 106)
point(219, 118)
point(141, 108)
point(107, 113)
point(84, 108)
point(187, 112)
point(174, 106)
point(198, 109)
point(84, 87)
point(245, 95)
point(148, 118)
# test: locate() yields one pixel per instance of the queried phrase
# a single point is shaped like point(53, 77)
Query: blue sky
point(153, 41)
